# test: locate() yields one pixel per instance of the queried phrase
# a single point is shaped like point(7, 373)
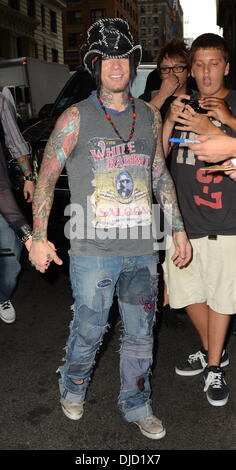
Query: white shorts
point(210, 277)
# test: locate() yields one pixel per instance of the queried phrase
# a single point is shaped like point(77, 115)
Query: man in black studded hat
point(111, 146)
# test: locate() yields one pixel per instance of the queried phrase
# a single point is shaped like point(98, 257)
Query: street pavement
point(32, 350)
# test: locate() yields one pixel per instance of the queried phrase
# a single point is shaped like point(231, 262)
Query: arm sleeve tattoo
point(163, 185)
point(25, 164)
point(58, 149)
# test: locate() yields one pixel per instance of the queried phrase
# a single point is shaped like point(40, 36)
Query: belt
point(212, 237)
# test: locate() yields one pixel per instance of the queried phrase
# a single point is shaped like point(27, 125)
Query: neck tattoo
point(108, 117)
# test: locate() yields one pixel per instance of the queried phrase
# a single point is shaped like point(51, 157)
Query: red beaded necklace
point(108, 117)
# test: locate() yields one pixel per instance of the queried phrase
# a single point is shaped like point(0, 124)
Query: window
point(54, 55)
point(45, 55)
point(155, 43)
point(71, 54)
point(31, 8)
point(36, 51)
point(53, 21)
point(98, 14)
point(14, 4)
point(72, 40)
point(19, 47)
point(43, 16)
point(74, 17)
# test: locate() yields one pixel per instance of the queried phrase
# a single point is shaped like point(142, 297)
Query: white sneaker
point(7, 312)
point(151, 427)
point(72, 410)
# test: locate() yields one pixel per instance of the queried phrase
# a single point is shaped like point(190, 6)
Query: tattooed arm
point(164, 190)
point(16, 144)
point(58, 149)
point(163, 186)
point(26, 169)
point(25, 165)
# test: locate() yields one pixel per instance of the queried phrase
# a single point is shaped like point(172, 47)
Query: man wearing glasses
point(174, 70)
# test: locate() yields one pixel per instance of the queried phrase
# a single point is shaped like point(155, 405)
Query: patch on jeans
point(148, 304)
point(140, 384)
point(78, 382)
point(104, 283)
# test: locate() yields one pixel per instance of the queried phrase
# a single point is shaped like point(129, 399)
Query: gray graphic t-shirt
point(111, 192)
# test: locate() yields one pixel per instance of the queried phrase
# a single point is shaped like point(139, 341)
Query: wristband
point(29, 177)
point(24, 233)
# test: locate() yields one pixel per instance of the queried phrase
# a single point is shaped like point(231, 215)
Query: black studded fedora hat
point(110, 38)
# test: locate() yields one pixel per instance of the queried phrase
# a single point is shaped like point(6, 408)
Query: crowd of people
point(120, 162)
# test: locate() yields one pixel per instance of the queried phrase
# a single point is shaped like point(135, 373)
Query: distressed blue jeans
point(94, 281)
point(9, 261)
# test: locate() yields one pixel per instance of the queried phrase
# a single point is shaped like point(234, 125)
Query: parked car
point(78, 88)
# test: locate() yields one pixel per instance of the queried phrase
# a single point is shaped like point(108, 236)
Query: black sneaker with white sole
point(216, 388)
point(197, 362)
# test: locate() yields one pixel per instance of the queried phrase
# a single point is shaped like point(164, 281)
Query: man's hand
point(214, 148)
point(28, 190)
point(217, 108)
point(183, 249)
point(230, 173)
point(169, 84)
point(41, 254)
point(28, 243)
point(176, 108)
point(196, 122)
point(168, 87)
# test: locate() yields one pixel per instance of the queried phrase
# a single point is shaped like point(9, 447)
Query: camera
point(195, 105)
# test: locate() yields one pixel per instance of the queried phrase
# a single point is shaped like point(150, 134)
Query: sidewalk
point(32, 350)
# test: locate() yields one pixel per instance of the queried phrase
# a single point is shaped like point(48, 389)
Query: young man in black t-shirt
point(207, 286)
point(170, 79)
